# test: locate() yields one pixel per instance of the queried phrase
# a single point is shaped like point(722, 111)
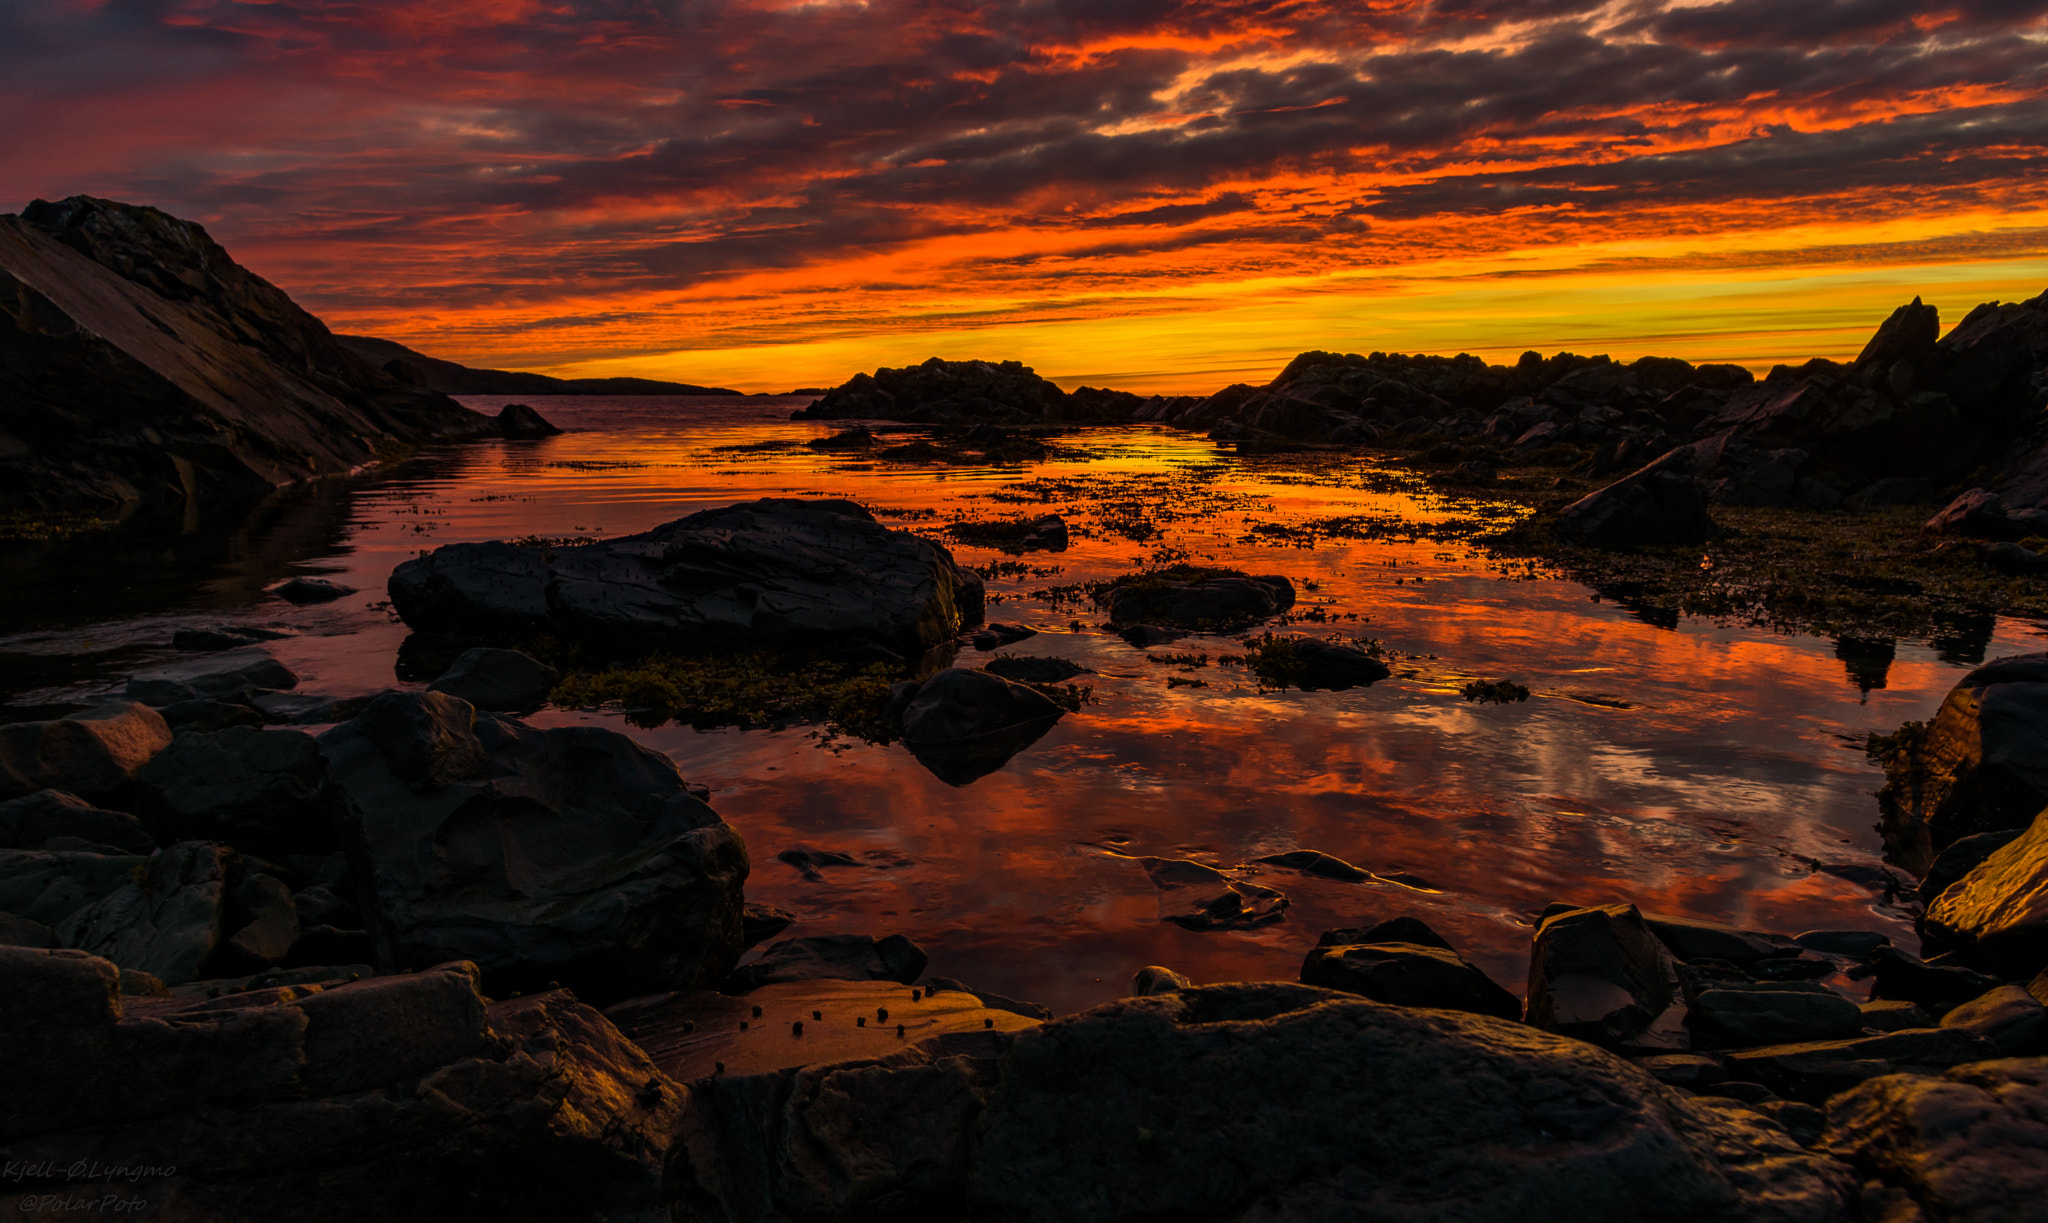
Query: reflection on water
point(1700, 769)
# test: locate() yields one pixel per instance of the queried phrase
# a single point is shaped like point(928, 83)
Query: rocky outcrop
point(966, 393)
point(1204, 600)
point(964, 725)
point(165, 914)
point(1996, 917)
point(1968, 1146)
point(417, 369)
point(774, 574)
point(142, 364)
point(52, 819)
point(263, 791)
point(1663, 503)
point(571, 854)
point(1233, 1103)
point(1979, 765)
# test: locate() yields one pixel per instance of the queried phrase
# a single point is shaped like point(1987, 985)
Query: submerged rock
point(774, 574)
point(311, 590)
point(1409, 974)
point(964, 725)
point(1027, 669)
point(231, 674)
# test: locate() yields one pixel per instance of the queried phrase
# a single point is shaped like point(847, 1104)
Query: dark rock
point(1024, 669)
point(265, 791)
point(571, 854)
point(25, 932)
point(1688, 939)
point(1855, 943)
point(520, 422)
point(831, 957)
point(1662, 503)
point(230, 674)
point(1145, 636)
point(1197, 896)
point(1334, 665)
point(307, 708)
point(774, 574)
point(1981, 765)
point(1997, 915)
point(162, 914)
point(1960, 858)
point(963, 725)
point(957, 392)
point(1315, 862)
point(856, 438)
point(808, 861)
point(1813, 1071)
point(1736, 1089)
point(1893, 1015)
point(222, 637)
point(988, 998)
point(759, 923)
point(1048, 534)
point(1692, 1071)
point(1204, 600)
point(2009, 1017)
point(210, 715)
point(1805, 1123)
point(1936, 987)
point(310, 590)
point(504, 681)
point(93, 754)
point(1976, 514)
point(1773, 1013)
point(333, 944)
point(1967, 1146)
point(1805, 966)
point(993, 636)
point(269, 924)
point(1409, 974)
point(1155, 979)
point(1601, 975)
point(2011, 559)
point(30, 822)
point(1193, 1110)
point(319, 906)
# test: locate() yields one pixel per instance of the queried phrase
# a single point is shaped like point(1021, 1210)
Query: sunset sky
point(1148, 194)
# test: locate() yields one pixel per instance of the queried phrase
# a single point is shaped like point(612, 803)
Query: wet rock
point(1997, 915)
point(995, 636)
point(1968, 1146)
point(808, 862)
point(1981, 764)
point(988, 998)
point(503, 681)
point(33, 821)
point(1024, 669)
point(963, 725)
point(520, 422)
point(759, 923)
point(1601, 975)
point(93, 754)
point(1334, 665)
point(1689, 939)
point(1773, 1013)
point(1805, 966)
point(831, 957)
point(1322, 865)
point(1204, 600)
point(1692, 1071)
point(2010, 1018)
point(774, 574)
point(856, 438)
point(1937, 987)
point(1145, 636)
point(1155, 979)
point(162, 914)
point(1660, 504)
point(1235, 905)
point(1409, 974)
point(303, 591)
point(1403, 929)
point(1960, 858)
point(1893, 1015)
point(222, 637)
point(1814, 1070)
point(265, 791)
point(1805, 1123)
point(570, 854)
point(211, 715)
point(228, 675)
point(269, 921)
point(1193, 1110)
point(1853, 943)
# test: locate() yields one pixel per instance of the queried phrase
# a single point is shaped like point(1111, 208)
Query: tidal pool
point(1706, 770)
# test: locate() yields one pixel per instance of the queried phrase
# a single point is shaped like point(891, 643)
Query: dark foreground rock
point(1194, 1108)
point(1968, 1146)
point(263, 791)
point(398, 1097)
point(1403, 973)
point(500, 681)
point(1203, 600)
point(52, 819)
point(832, 957)
point(1663, 503)
point(229, 675)
point(1996, 916)
point(774, 574)
point(571, 854)
point(1601, 975)
point(1980, 765)
point(93, 754)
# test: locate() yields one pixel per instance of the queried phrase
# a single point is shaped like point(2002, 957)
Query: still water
point(1699, 770)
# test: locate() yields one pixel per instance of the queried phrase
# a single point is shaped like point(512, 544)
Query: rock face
point(1662, 503)
point(398, 1097)
point(93, 754)
point(1600, 974)
point(1194, 1109)
point(964, 725)
point(503, 681)
point(52, 819)
point(1980, 766)
point(775, 574)
point(571, 854)
point(1997, 915)
point(264, 791)
point(163, 914)
point(1968, 1146)
point(145, 365)
point(965, 392)
point(1208, 600)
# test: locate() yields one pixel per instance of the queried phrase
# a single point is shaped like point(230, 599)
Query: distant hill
point(434, 374)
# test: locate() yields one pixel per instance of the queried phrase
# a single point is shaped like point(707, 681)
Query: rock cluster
point(967, 392)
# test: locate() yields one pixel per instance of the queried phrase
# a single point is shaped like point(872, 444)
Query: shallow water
point(1710, 771)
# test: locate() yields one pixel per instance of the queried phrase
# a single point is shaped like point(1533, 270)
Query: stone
point(2010, 1018)
point(1976, 514)
point(831, 957)
point(1202, 600)
point(211, 715)
point(1937, 987)
point(25, 932)
point(32, 821)
point(1998, 913)
point(989, 998)
point(504, 681)
point(1409, 974)
point(520, 422)
point(759, 923)
point(387, 1029)
point(1690, 939)
point(1814, 1070)
point(1979, 765)
point(1155, 979)
point(1660, 504)
point(1193, 1109)
point(307, 708)
point(1960, 858)
point(1601, 975)
point(1145, 636)
point(994, 636)
point(222, 637)
point(963, 725)
point(954, 392)
point(1025, 669)
point(1894, 490)
point(161, 914)
point(773, 574)
point(264, 791)
point(1334, 665)
point(1326, 866)
point(93, 754)
point(1773, 1013)
point(229, 674)
point(1893, 1015)
point(1968, 1146)
point(569, 854)
point(303, 591)
point(269, 922)
point(1047, 533)
point(1853, 943)
point(1692, 1071)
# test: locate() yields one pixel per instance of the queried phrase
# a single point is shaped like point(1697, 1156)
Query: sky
point(1156, 195)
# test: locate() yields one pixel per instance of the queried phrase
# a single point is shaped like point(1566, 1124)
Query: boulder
point(1936, 987)
point(396, 1097)
point(1661, 503)
point(1772, 1013)
point(1812, 1071)
point(46, 815)
point(501, 681)
point(1145, 636)
point(303, 591)
point(831, 957)
point(2010, 1018)
point(1238, 1102)
point(1026, 669)
point(571, 854)
point(1853, 943)
point(1967, 1146)
point(1155, 979)
point(520, 422)
point(264, 791)
point(93, 754)
point(1997, 915)
point(1688, 939)
point(211, 715)
point(964, 725)
point(1409, 974)
point(1893, 1015)
point(269, 919)
point(163, 914)
point(1601, 975)
point(1334, 665)
point(222, 637)
point(1979, 765)
point(1204, 600)
point(1328, 866)
point(226, 675)
point(774, 574)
